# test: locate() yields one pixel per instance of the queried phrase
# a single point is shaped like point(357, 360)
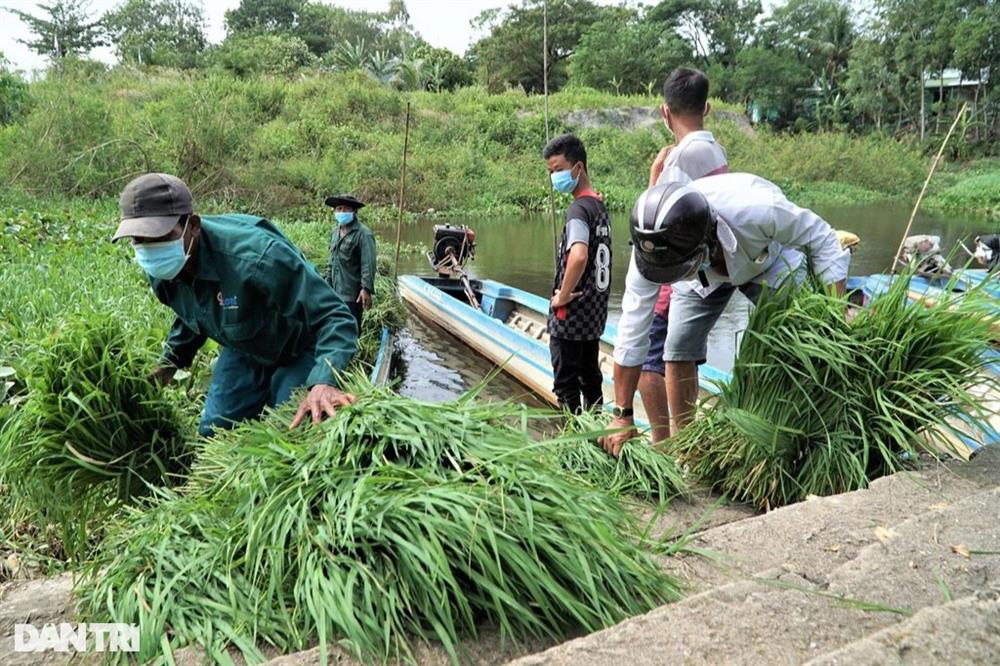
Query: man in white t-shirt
point(732, 231)
point(696, 153)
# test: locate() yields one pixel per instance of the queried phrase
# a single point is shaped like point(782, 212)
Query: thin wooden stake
point(402, 193)
point(923, 190)
point(548, 136)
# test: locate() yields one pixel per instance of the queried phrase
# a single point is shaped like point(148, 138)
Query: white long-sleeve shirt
point(762, 235)
point(698, 155)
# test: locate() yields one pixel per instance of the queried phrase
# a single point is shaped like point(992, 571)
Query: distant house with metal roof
point(947, 86)
point(954, 78)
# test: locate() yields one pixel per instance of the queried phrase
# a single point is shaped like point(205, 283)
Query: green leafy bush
point(269, 143)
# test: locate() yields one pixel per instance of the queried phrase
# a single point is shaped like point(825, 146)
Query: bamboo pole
point(548, 136)
point(402, 193)
point(923, 190)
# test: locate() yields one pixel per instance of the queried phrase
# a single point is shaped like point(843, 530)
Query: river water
point(519, 251)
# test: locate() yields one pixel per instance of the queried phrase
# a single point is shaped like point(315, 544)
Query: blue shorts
point(657, 337)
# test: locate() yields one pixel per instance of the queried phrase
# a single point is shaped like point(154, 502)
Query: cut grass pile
point(818, 405)
point(395, 521)
point(641, 471)
point(92, 432)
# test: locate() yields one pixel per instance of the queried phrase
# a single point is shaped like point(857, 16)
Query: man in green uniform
point(240, 281)
point(351, 271)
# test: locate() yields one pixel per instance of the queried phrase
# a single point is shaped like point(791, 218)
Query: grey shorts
point(692, 317)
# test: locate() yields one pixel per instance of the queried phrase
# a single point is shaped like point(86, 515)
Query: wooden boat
point(509, 328)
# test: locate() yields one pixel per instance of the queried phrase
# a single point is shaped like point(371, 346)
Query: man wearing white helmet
point(732, 231)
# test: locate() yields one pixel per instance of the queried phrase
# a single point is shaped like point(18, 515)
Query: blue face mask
point(563, 181)
point(344, 218)
point(163, 260)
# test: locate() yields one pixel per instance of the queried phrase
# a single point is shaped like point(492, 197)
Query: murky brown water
point(519, 251)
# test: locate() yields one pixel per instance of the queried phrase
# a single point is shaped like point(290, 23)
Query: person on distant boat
point(696, 153)
point(735, 231)
point(240, 281)
point(579, 305)
point(351, 271)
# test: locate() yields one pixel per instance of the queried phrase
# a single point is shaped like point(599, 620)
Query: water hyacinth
point(641, 470)
point(820, 405)
point(395, 521)
point(91, 432)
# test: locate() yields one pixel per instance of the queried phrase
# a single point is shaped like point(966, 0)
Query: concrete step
point(965, 631)
point(37, 602)
point(822, 533)
point(799, 611)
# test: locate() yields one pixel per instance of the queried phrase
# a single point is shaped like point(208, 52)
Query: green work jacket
point(352, 261)
point(256, 293)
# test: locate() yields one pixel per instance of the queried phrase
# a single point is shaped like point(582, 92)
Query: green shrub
point(976, 191)
point(269, 142)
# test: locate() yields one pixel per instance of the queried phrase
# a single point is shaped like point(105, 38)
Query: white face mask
point(163, 260)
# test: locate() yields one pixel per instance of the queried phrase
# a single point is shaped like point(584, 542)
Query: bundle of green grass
point(640, 470)
point(819, 405)
point(395, 521)
point(92, 431)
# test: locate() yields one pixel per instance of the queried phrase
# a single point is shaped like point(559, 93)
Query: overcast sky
point(443, 23)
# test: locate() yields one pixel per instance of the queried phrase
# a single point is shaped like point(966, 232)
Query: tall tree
point(875, 88)
point(922, 32)
point(977, 54)
point(325, 28)
point(631, 55)
point(717, 29)
point(774, 79)
point(511, 52)
point(64, 29)
point(820, 32)
point(157, 32)
point(265, 16)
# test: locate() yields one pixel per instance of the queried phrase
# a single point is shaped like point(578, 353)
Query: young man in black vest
point(579, 305)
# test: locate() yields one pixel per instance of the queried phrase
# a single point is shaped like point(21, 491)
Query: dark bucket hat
point(345, 200)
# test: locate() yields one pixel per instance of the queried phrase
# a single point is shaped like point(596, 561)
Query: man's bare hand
point(560, 299)
point(657, 168)
point(322, 401)
point(163, 375)
point(365, 298)
point(624, 430)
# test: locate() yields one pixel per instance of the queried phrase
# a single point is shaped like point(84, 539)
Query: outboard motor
point(988, 250)
point(926, 252)
point(454, 246)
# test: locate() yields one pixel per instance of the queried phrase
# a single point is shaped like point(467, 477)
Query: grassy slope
point(273, 144)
